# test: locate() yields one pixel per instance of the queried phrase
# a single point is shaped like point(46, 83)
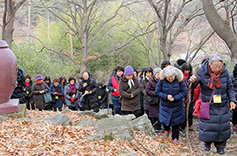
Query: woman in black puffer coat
point(89, 87)
point(213, 74)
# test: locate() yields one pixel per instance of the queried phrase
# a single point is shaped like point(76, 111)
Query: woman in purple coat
point(154, 108)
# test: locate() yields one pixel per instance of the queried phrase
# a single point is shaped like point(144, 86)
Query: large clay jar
point(8, 73)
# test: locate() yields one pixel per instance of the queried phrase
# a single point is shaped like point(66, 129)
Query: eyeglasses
point(216, 67)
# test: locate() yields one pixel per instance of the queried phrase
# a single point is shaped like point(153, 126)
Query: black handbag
point(152, 100)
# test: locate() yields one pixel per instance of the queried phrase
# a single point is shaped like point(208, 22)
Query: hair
point(47, 78)
point(100, 84)
point(156, 70)
point(164, 64)
point(217, 57)
point(56, 80)
point(186, 66)
point(149, 69)
point(61, 78)
point(135, 70)
point(80, 77)
point(118, 68)
point(27, 77)
point(71, 78)
point(169, 71)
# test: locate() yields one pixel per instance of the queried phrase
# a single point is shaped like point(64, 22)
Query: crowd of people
point(161, 93)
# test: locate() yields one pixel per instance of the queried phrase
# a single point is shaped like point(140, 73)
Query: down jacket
point(91, 100)
point(217, 128)
point(171, 112)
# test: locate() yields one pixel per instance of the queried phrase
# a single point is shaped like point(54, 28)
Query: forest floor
point(73, 140)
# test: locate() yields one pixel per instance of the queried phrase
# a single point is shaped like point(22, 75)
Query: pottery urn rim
point(3, 44)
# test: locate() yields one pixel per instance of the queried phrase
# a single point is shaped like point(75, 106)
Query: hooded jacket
point(217, 128)
point(171, 112)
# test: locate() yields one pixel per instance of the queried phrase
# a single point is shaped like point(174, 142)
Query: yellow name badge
point(27, 92)
point(99, 97)
point(86, 91)
point(56, 97)
point(217, 99)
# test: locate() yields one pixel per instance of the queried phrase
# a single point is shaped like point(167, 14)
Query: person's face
point(148, 74)
point(170, 78)
point(27, 80)
point(46, 81)
point(119, 73)
point(72, 82)
point(85, 76)
point(157, 75)
point(129, 77)
point(79, 80)
point(135, 73)
point(56, 84)
point(63, 80)
point(186, 71)
point(39, 81)
point(100, 87)
point(216, 66)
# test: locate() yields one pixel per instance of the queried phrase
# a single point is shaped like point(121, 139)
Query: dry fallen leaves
point(73, 140)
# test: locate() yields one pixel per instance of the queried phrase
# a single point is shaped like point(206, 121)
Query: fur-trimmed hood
point(179, 75)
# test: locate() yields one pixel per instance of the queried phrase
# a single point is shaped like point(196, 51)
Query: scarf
point(214, 79)
point(117, 77)
point(27, 84)
point(130, 82)
point(39, 82)
point(186, 76)
point(57, 89)
point(72, 88)
point(147, 78)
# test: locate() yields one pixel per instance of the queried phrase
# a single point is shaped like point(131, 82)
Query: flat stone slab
point(20, 114)
point(12, 106)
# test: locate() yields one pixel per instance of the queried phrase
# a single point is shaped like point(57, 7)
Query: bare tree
point(225, 28)
point(91, 22)
point(10, 8)
point(171, 25)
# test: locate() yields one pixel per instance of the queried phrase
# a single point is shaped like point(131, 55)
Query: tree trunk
point(9, 23)
point(220, 26)
point(84, 37)
point(10, 8)
point(28, 30)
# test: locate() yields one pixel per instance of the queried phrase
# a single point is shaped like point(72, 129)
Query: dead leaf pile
point(34, 139)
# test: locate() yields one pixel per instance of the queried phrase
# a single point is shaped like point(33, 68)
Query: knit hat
point(39, 77)
point(156, 70)
point(180, 62)
point(128, 70)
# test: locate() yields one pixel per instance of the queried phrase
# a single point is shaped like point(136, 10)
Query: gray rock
point(86, 113)
point(110, 128)
point(163, 146)
point(2, 118)
point(143, 124)
point(128, 117)
point(125, 153)
point(59, 119)
point(85, 122)
point(100, 115)
point(67, 110)
point(20, 141)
